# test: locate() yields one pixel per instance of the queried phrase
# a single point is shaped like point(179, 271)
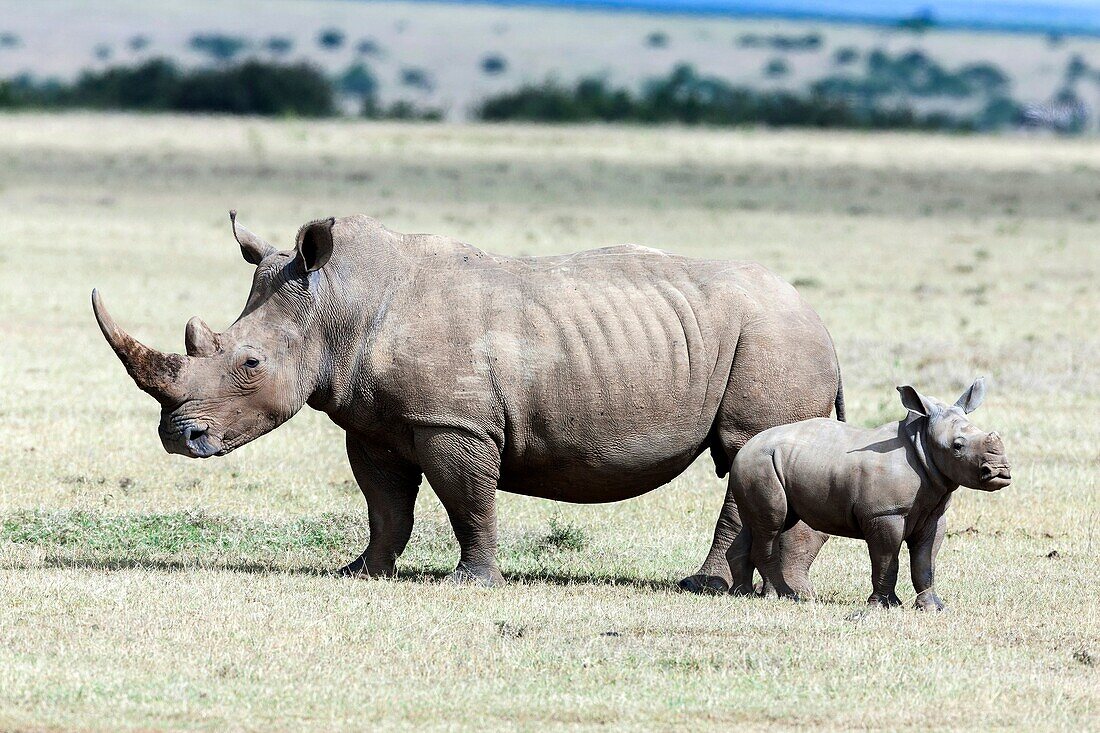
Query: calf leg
point(390, 489)
point(884, 543)
point(464, 471)
point(922, 564)
point(798, 547)
point(764, 507)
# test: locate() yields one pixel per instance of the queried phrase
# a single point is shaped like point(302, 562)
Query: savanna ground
point(141, 590)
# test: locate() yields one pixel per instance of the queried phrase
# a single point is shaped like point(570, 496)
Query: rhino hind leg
point(464, 471)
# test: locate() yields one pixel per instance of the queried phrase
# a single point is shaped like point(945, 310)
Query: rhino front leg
point(464, 471)
point(390, 490)
point(922, 564)
point(883, 544)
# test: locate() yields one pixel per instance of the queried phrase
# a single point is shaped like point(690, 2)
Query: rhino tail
point(838, 403)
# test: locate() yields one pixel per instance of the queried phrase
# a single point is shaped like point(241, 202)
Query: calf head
point(959, 449)
point(234, 386)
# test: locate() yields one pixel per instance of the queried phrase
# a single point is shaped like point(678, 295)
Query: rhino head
point(961, 451)
point(233, 387)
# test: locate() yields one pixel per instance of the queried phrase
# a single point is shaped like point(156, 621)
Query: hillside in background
point(450, 57)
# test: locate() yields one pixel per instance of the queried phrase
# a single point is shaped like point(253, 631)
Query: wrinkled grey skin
point(885, 485)
point(591, 377)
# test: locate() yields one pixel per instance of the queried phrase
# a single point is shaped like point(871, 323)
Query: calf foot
point(928, 601)
point(705, 584)
point(362, 567)
point(483, 575)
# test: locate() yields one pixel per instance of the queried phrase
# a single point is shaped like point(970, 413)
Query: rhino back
point(599, 373)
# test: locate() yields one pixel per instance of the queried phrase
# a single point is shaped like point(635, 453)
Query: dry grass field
point(144, 591)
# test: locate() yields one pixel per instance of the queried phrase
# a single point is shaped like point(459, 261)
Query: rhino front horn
point(154, 371)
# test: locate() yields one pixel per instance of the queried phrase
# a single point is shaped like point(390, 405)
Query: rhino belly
point(581, 482)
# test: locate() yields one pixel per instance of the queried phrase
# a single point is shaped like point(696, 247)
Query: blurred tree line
point(687, 97)
point(881, 95)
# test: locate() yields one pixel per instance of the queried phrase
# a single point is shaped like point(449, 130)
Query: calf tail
point(838, 403)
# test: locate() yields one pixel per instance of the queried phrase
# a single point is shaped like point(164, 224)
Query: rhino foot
point(705, 584)
point(360, 568)
point(928, 601)
point(483, 575)
point(884, 601)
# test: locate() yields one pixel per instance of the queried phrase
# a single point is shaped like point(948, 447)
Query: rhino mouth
point(193, 440)
point(994, 478)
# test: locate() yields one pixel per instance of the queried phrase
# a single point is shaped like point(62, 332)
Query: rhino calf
point(885, 485)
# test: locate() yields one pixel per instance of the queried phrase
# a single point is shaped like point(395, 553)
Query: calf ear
point(914, 401)
point(315, 244)
point(972, 398)
point(253, 249)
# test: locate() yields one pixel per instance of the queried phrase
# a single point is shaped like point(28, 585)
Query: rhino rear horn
point(253, 248)
point(154, 371)
point(199, 339)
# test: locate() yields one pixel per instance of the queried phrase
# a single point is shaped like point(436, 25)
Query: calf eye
point(251, 362)
point(958, 444)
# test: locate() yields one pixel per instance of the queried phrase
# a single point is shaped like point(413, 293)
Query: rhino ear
point(253, 248)
point(315, 244)
point(972, 398)
point(914, 401)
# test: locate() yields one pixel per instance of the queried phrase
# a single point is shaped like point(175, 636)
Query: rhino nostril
point(987, 473)
point(193, 432)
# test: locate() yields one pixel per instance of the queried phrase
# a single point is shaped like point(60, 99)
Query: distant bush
point(915, 74)
point(1076, 68)
point(416, 78)
point(368, 47)
point(358, 80)
point(102, 52)
point(330, 38)
point(494, 64)
point(776, 68)
point(9, 40)
point(919, 22)
point(218, 46)
point(657, 39)
point(158, 85)
point(779, 42)
point(138, 43)
point(846, 55)
point(279, 45)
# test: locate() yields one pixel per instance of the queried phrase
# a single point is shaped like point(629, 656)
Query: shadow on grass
point(404, 574)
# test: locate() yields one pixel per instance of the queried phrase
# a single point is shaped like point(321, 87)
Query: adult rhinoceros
point(591, 377)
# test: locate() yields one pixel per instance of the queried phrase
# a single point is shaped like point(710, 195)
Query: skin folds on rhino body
point(591, 377)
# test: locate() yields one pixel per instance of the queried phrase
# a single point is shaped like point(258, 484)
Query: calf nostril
point(987, 473)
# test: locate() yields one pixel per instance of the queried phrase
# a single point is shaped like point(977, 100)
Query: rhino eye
point(958, 444)
point(251, 362)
